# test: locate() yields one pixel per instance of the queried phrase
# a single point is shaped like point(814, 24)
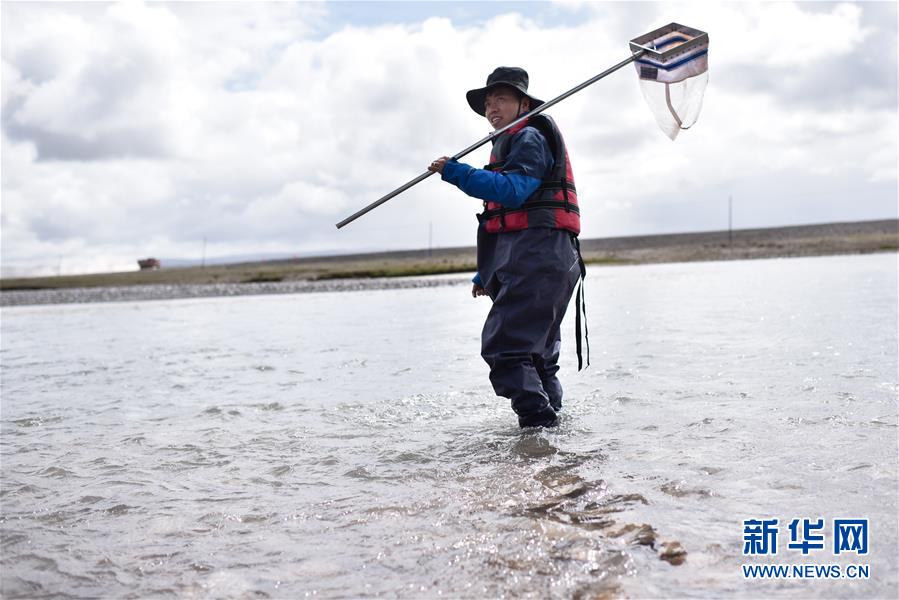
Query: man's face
point(501, 106)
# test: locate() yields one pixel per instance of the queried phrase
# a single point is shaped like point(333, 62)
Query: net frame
point(669, 49)
point(673, 55)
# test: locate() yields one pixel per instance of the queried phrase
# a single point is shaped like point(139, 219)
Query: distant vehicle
point(148, 264)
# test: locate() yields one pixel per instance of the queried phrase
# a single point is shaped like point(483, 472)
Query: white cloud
point(774, 34)
point(133, 129)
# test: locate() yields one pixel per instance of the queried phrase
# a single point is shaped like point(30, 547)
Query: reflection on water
point(348, 444)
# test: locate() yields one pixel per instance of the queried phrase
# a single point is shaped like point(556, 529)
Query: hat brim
point(477, 98)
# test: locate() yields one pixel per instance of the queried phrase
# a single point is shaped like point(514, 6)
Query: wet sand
point(404, 269)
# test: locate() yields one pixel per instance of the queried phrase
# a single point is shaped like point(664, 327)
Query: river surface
point(348, 444)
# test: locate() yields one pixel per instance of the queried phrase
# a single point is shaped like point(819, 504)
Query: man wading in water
point(528, 257)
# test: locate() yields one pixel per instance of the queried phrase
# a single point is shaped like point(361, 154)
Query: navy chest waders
point(529, 261)
point(530, 275)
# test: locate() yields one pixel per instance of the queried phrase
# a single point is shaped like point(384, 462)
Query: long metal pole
point(496, 133)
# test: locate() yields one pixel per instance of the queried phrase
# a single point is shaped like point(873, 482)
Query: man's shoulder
point(531, 134)
point(542, 126)
point(531, 129)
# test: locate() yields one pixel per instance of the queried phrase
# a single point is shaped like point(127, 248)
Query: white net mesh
point(676, 105)
point(673, 72)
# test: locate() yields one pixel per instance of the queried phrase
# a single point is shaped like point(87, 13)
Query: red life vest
point(554, 204)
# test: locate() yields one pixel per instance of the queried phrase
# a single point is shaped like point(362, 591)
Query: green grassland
point(807, 240)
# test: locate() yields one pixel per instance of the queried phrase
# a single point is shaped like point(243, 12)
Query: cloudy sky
point(139, 129)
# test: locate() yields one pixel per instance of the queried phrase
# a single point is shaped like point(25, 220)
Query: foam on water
point(347, 444)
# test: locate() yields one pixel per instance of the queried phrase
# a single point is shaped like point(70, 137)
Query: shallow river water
point(348, 444)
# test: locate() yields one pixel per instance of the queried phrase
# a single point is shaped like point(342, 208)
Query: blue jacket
point(527, 165)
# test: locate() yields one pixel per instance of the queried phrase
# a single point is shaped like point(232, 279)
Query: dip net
point(674, 72)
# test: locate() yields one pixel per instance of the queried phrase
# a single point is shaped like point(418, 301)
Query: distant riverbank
point(381, 270)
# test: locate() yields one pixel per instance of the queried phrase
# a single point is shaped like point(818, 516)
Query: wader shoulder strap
point(581, 307)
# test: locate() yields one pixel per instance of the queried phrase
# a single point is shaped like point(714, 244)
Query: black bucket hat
point(511, 76)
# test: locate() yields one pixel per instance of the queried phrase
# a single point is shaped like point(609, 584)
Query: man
point(528, 262)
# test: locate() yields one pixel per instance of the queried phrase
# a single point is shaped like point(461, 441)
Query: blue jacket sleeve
point(477, 280)
point(527, 164)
